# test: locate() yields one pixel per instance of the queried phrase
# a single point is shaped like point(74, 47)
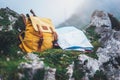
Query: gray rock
point(35, 66)
point(49, 73)
point(70, 71)
point(1, 78)
point(110, 41)
point(116, 35)
point(100, 19)
point(31, 68)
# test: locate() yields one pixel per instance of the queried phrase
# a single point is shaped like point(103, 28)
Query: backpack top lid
point(44, 24)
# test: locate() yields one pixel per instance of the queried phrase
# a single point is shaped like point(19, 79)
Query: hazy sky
point(57, 10)
point(60, 10)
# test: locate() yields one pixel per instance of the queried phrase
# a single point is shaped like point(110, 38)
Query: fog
point(62, 10)
point(81, 17)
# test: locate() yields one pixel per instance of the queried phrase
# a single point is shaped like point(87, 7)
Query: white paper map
point(72, 38)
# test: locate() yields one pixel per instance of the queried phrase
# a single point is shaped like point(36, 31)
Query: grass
point(8, 67)
point(59, 59)
point(55, 58)
point(93, 37)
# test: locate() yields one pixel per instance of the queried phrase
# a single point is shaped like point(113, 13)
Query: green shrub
point(59, 59)
point(9, 41)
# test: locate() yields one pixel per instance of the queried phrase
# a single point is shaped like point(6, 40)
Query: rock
point(100, 19)
point(116, 35)
point(7, 59)
point(109, 52)
point(21, 76)
point(110, 41)
point(33, 67)
point(49, 73)
point(1, 17)
point(31, 56)
point(10, 22)
point(1, 27)
point(1, 78)
point(89, 63)
point(70, 71)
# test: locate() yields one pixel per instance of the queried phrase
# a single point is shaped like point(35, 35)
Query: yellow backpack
point(39, 34)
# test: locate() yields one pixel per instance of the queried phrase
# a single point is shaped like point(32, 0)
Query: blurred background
point(64, 12)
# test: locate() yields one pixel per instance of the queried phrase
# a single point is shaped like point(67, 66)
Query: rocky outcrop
point(8, 18)
point(109, 52)
point(100, 19)
point(34, 69)
point(107, 64)
point(105, 67)
point(11, 24)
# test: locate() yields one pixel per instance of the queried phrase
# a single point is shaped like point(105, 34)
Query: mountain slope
point(10, 25)
point(57, 64)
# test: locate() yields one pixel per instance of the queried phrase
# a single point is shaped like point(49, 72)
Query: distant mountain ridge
point(81, 18)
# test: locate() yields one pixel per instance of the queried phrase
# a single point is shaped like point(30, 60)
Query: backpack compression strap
point(54, 34)
point(55, 37)
point(41, 38)
point(23, 17)
point(40, 33)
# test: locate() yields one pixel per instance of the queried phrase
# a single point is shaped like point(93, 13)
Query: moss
point(94, 38)
point(39, 75)
point(91, 34)
point(99, 75)
point(78, 71)
point(59, 59)
point(19, 24)
point(8, 40)
point(5, 21)
point(8, 69)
